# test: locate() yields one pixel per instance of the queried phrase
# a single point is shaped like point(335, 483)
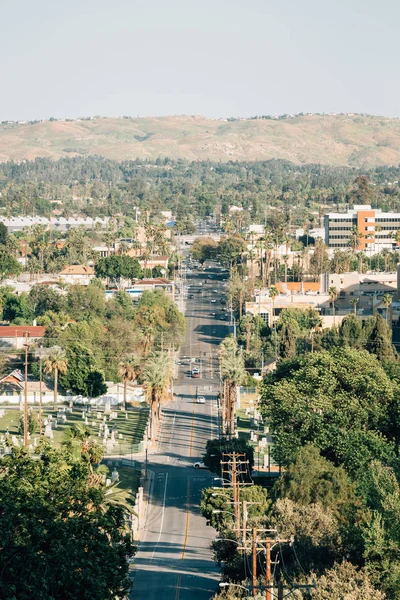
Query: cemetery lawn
point(130, 431)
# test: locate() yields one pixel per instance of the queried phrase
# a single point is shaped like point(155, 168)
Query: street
point(174, 560)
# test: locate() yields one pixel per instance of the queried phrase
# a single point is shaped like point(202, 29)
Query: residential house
point(12, 389)
point(82, 274)
point(14, 336)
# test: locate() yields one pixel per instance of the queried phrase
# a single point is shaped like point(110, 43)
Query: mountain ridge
point(347, 140)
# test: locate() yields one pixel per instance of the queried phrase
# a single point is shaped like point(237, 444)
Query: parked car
point(190, 296)
point(195, 373)
point(200, 400)
point(199, 465)
point(213, 301)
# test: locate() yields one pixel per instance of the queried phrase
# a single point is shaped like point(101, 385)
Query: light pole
point(225, 584)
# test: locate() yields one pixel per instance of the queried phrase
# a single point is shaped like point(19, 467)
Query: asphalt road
point(174, 560)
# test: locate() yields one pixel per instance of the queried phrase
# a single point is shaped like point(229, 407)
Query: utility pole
point(268, 569)
point(40, 396)
point(232, 465)
point(247, 337)
point(254, 571)
point(26, 424)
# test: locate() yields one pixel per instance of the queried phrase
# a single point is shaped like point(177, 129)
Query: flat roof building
point(377, 229)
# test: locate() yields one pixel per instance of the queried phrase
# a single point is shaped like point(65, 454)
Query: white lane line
point(162, 517)
point(172, 433)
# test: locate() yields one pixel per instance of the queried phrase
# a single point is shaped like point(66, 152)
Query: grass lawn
point(129, 432)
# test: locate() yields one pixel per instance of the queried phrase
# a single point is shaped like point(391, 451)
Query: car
point(190, 296)
point(222, 301)
point(213, 314)
point(215, 291)
point(195, 373)
point(200, 400)
point(213, 301)
point(222, 318)
point(199, 465)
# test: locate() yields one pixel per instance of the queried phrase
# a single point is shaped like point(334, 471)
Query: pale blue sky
point(212, 57)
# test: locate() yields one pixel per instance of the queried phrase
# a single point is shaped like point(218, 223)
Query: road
point(174, 560)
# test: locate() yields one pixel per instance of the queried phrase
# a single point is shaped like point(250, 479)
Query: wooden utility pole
point(236, 500)
point(268, 569)
point(247, 337)
point(254, 572)
point(26, 424)
point(40, 396)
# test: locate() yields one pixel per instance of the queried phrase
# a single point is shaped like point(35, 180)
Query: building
point(56, 223)
point(142, 285)
point(82, 274)
point(12, 388)
point(378, 229)
point(15, 336)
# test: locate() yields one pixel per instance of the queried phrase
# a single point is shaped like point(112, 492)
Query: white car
point(201, 400)
point(213, 301)
point(199, 465)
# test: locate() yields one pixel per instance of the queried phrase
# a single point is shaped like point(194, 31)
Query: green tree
point(157, 375)
point(8, 265)
point(83, 376)
point(319, 261)
point(128, 370)
point(230, 250)
point(387, 301)
point(333, 294)
point(287, 342)
point(118, 266)
point(380, 341)
point(57, 541)
point(56, 363)
point(233, 374)
point(339, 400)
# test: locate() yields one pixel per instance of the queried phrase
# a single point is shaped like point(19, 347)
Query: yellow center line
point(188, 491)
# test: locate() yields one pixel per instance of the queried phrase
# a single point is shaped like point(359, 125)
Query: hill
point(352, 140)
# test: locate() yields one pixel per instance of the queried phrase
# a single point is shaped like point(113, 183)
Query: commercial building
point(14, 224)
point(378, 229)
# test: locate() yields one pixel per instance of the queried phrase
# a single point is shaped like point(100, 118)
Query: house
point(82, 274)
point(12, 389)
point(13, 336)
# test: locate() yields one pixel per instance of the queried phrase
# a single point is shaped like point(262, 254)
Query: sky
point(218, 58)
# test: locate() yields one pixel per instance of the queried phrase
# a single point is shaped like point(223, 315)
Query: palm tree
point(354, 302)
point(128, 370)
point(285, 258)
point(273, 293)
point(333, 294)
point(79, 441)
point(233, 373)
point(56, 363)
point(157, 376)
point(355, 238)
point(387, 301)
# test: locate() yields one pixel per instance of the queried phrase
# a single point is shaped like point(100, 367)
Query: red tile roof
point(7, 331)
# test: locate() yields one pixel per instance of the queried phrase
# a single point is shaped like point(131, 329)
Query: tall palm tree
point(387, 301)
point(233, 374)
point(273, 293)
point(78, 439)
point(333, 294)
point(157, 376)
point(355, 238)
point(128, 370)
point(354, 302)
point(56, 363)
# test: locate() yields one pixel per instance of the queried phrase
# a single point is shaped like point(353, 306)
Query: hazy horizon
point(227, 59)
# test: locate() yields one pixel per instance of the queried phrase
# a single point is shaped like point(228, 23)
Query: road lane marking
point(172, 433)
point(178, 587)
point(187, 520)
point(188, 489)
point(162, 517)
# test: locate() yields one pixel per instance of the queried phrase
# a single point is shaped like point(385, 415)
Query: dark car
point(222, 301)
point(190, 296)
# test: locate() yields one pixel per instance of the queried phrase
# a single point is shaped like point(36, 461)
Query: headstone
point(107, 407)
point(126, 415)
point(86, 421)
point(114, 476)
point(54, 424)
point(48, 431)
point(108, 482)
point(93, 423)
point(99, 415)
point(113, 436)
point(63, 418)
point(14, 440)
point(83, 415)
point(2, 413)
point(71, 405)
point(120, 436)
point(68, 410)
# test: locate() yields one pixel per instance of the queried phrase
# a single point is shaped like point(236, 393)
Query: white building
point(56, 223)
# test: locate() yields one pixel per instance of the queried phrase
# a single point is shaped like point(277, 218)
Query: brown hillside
point(360, 141)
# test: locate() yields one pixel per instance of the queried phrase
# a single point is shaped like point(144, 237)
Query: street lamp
point(225, 584)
